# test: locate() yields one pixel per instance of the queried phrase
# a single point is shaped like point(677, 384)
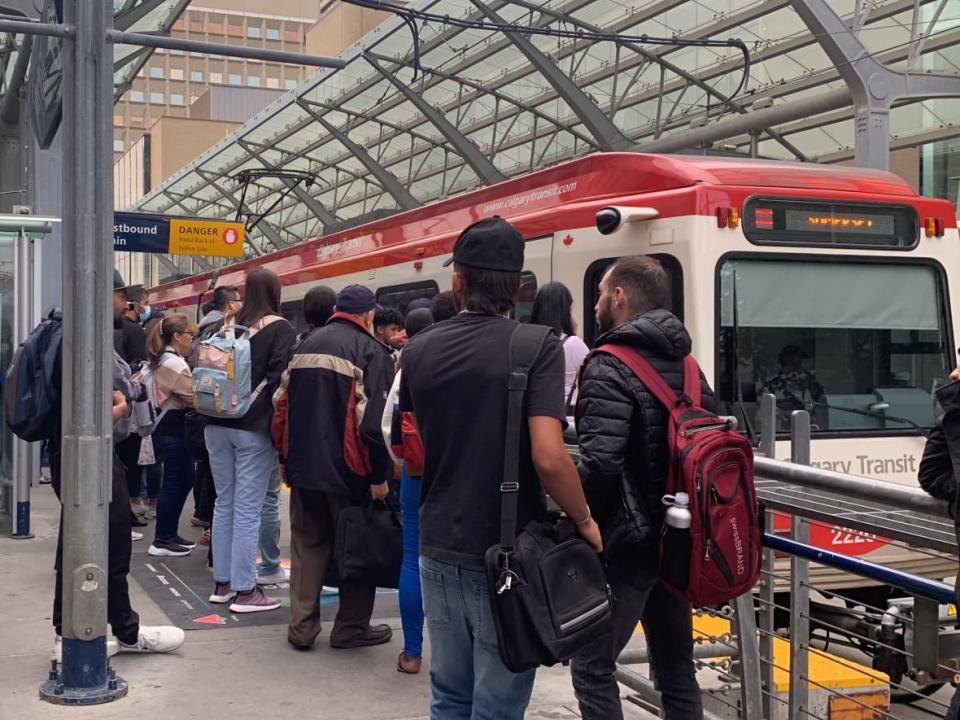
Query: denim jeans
point(468, 681)
point(668, 628)
point(411, 597)
point(270, 527)
point(178, 480)
point(953, 712)
point(242, 462)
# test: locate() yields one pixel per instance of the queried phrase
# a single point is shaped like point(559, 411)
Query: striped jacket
point(333, 393)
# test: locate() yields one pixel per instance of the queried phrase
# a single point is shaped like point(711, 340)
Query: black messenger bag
point(548, 589)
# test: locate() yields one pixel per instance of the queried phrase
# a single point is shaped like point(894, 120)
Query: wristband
point(585, 521)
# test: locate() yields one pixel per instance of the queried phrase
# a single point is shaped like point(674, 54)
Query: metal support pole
point(86, 464)
point(749, 662)
point(799, 580)
point(768, 446)
point(24, 453)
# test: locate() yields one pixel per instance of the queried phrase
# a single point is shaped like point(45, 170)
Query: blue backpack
point(31, 393)
point(222, 378)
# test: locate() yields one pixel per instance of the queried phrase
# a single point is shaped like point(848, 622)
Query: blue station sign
point(136, 232)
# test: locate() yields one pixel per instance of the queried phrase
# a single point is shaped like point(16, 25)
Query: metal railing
point(796, 648)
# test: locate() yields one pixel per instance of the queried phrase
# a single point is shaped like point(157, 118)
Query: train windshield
point(861, 346)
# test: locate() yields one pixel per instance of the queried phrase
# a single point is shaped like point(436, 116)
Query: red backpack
point(713, 464)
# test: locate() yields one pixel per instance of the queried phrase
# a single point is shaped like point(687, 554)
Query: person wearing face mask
point(130, 343)
point(169, 341)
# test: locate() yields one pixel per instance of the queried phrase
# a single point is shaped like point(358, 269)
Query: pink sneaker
point(253, 601)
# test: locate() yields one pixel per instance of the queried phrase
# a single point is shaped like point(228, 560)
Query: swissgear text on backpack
point(31, 393)
point(548, 589)
point(713, 465)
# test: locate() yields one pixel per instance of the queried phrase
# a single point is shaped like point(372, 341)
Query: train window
point(292, 310)
point(591, 290)
point(525, 297)
point(859, 345)
point(400, 296)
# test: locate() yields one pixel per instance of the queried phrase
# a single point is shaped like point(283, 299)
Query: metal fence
point(826, 634)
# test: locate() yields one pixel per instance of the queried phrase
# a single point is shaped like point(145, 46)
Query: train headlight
point(610, 219)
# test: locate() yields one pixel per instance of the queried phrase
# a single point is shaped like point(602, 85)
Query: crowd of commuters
point(325, 417)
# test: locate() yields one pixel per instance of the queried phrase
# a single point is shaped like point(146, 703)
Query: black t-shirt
point(455, 382)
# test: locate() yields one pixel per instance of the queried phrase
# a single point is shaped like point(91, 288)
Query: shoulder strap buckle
point(509, 486)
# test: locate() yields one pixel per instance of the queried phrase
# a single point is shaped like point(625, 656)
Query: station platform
point(239, 669)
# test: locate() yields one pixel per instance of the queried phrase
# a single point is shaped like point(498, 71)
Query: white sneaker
point(327, 590)
point(134, 535)
point(280, 575)
point(113, 647)
point(157, 639)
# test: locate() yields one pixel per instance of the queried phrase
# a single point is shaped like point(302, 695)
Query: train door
point(536, 273)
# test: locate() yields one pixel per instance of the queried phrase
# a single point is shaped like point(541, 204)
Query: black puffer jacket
point(623, 436)
point(940, 465)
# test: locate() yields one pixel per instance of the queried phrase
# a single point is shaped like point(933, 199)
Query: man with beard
point(622, 431)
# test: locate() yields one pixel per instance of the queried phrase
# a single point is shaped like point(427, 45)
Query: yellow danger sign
point(206, 237)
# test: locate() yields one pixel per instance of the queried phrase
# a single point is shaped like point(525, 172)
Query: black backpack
point(548, 588)
point(31, 394)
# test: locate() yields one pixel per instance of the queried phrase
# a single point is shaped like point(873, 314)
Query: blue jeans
point(411, 598)
point(270, 527)
point(242, 462)
point(178, 479)
point(667, 625)
point(467, 679)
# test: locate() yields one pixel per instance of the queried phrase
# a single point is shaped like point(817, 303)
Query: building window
point(118, 146)
point(273, 34)
point(290, 84)
point(292, 36)
point(273, 83)
point(215, 28)
point(176, 74)
point(136, 96)
point(216, 78)
point(234, 30)
point(253, 81)
point(196, 26)
point(179, 24)
point(234, 79)
point(196, 76)
point(176, 52)
point(156, 73)
point(253, 31)
point(176, 99)
point(157, 98)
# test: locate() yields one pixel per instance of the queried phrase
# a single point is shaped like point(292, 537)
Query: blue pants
point(468, 681)
point(242, 462)
point(270, 527)
point(178, 479)
point(411, 599)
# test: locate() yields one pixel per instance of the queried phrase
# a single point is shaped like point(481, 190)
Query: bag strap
point(526, 342)
point(653, 381)
point(263, 323)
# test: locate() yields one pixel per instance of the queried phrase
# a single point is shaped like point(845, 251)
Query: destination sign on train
point(141, 232)
point(874, 223)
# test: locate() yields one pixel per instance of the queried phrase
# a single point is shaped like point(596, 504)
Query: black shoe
point(181, 541)
point(168, 548)
point(136, 522)
point(374, 635)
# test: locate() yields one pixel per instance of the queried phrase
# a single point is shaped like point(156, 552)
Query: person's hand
point(379, 492)
point(955, 375)
point(119, 398)
point(590, 532)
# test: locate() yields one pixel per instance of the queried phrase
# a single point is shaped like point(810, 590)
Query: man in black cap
point(337, 385)
point(454, 381)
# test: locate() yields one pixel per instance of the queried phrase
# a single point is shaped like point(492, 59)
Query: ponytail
point(161, 335)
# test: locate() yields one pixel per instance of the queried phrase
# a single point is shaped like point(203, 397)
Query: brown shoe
point(408, 665)
point(373, 635)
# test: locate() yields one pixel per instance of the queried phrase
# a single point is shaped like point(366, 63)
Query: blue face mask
point(145, 314)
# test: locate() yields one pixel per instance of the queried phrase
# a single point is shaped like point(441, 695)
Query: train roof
point(590, 178)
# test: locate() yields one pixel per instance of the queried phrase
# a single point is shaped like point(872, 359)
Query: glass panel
point(859, 345)
point(7, 346)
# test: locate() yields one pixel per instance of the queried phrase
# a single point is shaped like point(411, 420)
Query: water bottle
point(675, 559)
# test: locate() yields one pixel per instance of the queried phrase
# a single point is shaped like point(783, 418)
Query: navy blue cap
point(356, 300)
point(489, 244)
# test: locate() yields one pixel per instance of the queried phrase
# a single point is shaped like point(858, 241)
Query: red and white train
point(836, 281)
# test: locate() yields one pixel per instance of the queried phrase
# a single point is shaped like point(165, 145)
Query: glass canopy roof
point(381, 135)
point(142, 16)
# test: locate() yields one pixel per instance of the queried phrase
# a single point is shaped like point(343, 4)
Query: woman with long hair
point(167, 344)
point(553, 307)
point(242, 456)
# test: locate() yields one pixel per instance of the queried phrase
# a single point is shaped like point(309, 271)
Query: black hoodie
point(623, 436)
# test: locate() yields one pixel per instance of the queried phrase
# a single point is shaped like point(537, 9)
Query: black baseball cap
point(489, 244)
point(356, 300)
